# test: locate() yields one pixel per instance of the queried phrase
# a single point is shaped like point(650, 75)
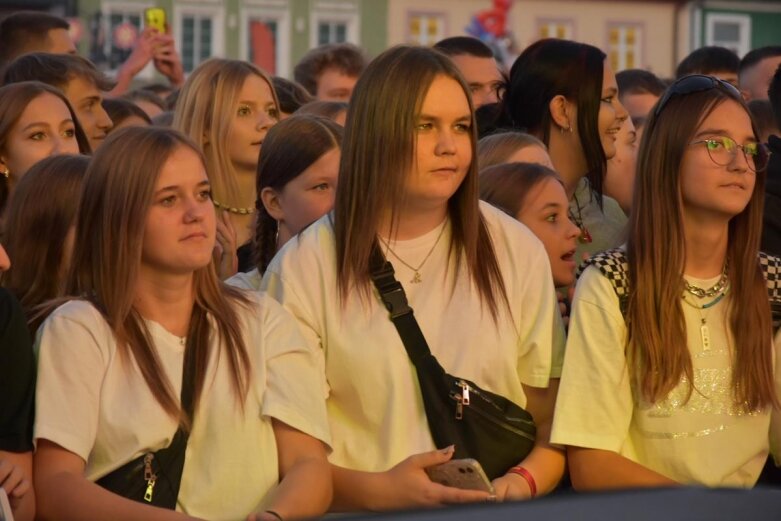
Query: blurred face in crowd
point(180, 229)
point(483, 77)
point(86, 100)
point(256, 112)
point(531, 154)
point(335, 85)
point(639, 106)
point(620, 178)
point(45, 128)
point(755, 81)
point(59, 42)
point(443, 147)
point(305, 198)
point(544, 212)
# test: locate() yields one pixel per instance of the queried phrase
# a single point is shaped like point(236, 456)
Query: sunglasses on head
point(692, 84)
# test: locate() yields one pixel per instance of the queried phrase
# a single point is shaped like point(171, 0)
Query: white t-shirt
point(249, 280)
point(707, 440)
point(374, 405)
point(90, 402)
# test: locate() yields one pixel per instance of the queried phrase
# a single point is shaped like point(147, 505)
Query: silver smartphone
point(461, 473)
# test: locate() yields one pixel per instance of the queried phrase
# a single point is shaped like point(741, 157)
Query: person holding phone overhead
point(479, 283)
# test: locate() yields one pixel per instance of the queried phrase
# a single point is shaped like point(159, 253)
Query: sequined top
point(707, 439)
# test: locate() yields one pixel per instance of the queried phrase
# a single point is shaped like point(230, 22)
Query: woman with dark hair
point(292, 96)
point(296, 185)
point(672, 336)
point(36, 121)
point(565, 94)
point(408, 191)
point(39, 231)
point(146, 320)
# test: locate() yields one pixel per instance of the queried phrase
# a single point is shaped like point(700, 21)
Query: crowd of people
point(192, 323)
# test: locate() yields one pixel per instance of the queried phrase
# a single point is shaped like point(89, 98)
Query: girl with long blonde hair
point(669, 372)
point(147, 318)
point(227, 106)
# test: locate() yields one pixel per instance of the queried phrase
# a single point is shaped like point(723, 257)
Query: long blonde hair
point(115, 200)
point(205, 110)
point(377, 153)
point(656, 253)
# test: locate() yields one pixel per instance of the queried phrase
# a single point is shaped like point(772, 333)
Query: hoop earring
point(568, 128)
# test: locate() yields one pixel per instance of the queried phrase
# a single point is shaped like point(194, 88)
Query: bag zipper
point(149, 476)
point(463, 399)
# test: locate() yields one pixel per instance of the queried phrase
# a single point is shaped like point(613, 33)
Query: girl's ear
point(270, 199)
point(562, 113)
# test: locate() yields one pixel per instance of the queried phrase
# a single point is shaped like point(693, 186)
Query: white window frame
point(639, 28)
point(215, 10)
point(569, 23)
point(125, 8)
point(335, 12)
point(742, 20)
point(278, 11)
point(440, 15)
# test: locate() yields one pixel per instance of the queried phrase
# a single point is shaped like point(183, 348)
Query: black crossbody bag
point(155, 477)
point(482, 425)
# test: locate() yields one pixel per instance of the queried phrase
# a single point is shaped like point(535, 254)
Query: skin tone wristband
point(525, 474)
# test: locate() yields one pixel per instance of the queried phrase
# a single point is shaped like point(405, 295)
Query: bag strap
point(395, 299)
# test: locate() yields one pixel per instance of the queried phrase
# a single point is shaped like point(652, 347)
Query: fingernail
point(448, 450)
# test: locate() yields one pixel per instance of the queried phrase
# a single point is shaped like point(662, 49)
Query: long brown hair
point(495, 149)
point(507, 185)
point(656, 340)
point(115, 200)
point(290, 147)
point(39, 219)
point(378, 152)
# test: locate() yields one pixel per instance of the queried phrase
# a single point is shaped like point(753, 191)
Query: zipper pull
point(459, 409)
point(149, 476)
point(464, 393)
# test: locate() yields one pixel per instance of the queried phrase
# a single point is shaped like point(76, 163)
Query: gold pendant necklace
point(416, 278)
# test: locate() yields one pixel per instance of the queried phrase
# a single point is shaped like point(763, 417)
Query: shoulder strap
point(395, 299)
point(612, 264)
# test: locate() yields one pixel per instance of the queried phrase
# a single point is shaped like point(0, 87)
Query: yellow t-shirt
point(706, 440)
point(374, 405)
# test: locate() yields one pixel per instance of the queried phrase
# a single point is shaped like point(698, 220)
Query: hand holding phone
point(465, 474)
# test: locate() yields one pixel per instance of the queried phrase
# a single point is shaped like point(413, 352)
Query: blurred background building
point(651, 34)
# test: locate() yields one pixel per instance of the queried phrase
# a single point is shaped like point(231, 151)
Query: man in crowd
point(638, 91)
point(329, 72)
point(478, 66)
point(756, 70)
point(713, 61)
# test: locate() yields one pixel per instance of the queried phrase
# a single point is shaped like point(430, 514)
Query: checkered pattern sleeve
point(771, 268)
point(612, 264)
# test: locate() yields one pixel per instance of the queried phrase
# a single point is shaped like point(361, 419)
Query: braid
point(265, 241)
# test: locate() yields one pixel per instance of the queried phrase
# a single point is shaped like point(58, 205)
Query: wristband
point(525, 474)
point(275, 515)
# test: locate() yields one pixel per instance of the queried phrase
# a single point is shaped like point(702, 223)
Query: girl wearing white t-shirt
point(144, 294)
point(675, 382)
point(478, 281)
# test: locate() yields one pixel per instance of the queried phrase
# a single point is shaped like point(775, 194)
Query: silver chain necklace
point(416, 279)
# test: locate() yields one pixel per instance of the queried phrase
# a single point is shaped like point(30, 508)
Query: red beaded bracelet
point(525, 474)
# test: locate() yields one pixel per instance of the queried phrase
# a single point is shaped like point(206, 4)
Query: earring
point(5, 173)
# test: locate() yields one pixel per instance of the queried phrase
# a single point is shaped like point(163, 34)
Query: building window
point(121, 26)
point(196, 40)
point(564, 29)
point(334, 21)
point(624, 46)
point(331, 32)
point(732, 31)
point(425, 28)
point(199, 32)
point(265, 35)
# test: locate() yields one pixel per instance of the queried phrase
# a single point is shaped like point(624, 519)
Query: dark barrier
point(680, 504)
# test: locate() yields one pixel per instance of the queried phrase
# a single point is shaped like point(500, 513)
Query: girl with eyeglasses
point(669, 375)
